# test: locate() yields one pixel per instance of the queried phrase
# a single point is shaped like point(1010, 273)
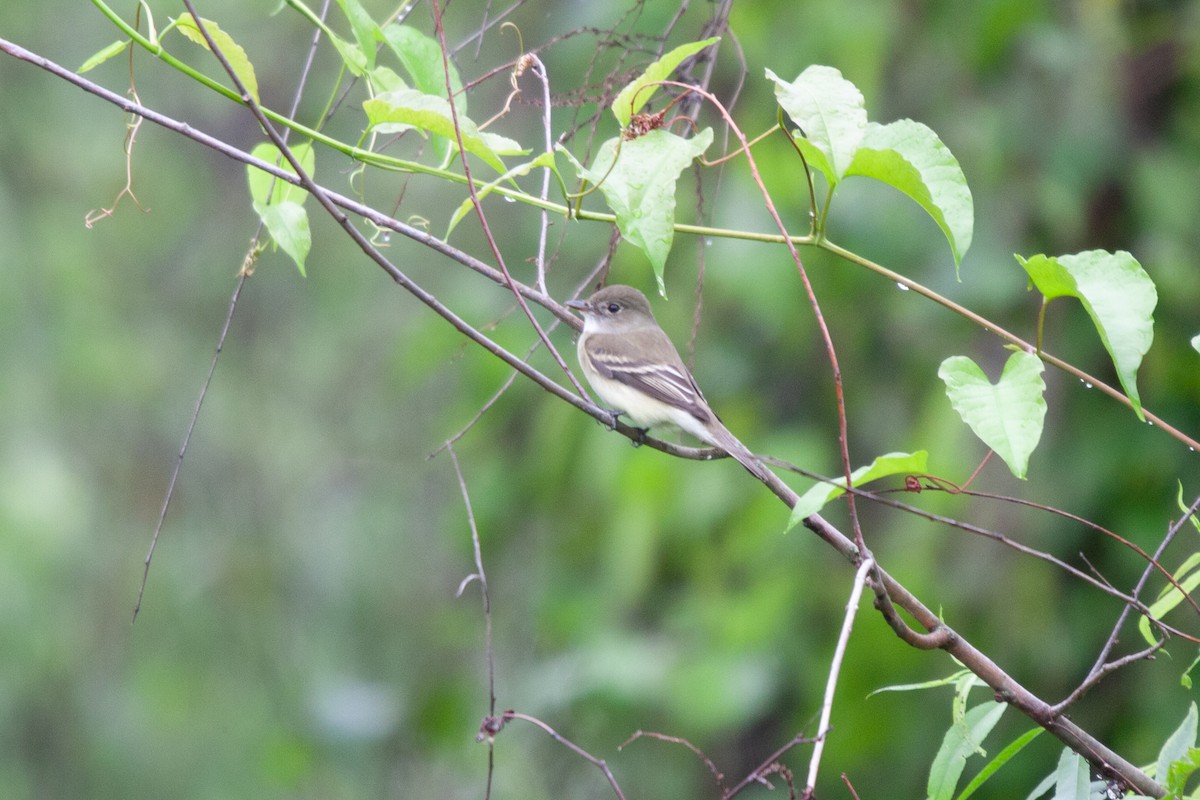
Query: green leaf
point(958, 707)
point(815, 498)
point(233, 51)
point(366, 30)
point(421, 56)
point(1071, 779)
point(352, 56)
point(950, 680)
point(1179, 772)
point(1007, 416)
point(266, 188)
point(1185, 680)
point(640, 187)
point(1119, 297)
point(909, 156)
point(544, 160)
point(957, 745)
point(1187, 576)
point(1002, 758)
point(279, 204)
point(287, 222)
point(831, 114)
point(113, 50)
point(430, 113)
point(1177, 745)
point(1185, 508)
point(634, 97)
point(383, 80)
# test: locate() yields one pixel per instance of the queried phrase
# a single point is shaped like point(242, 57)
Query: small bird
point(631, 363)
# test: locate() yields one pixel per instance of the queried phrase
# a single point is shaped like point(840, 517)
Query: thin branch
point(187, 438)
point(835, 670)
point(539, 69)
point(479, 575)
point(494, 725)
point(718, 776)
point(757, 774)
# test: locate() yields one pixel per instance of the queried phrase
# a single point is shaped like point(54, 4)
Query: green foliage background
point(300, 635)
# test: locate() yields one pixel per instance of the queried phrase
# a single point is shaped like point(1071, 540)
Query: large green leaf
point(1176, 749)
point(279, 204)
point(1071, 778)
point(959, 743)
point(909, 156)
point(634, 97)
point(421, 56)
point(830, 113)
point(233, 51)
point(431, 113)
point(640, 187)
point(815, 498)
point(1119, 297)
point(1008, 415)
point(366, 30)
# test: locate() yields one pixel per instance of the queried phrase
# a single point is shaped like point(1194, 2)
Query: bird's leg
point(638, 440)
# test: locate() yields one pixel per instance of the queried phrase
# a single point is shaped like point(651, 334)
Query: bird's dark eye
point(613, 308)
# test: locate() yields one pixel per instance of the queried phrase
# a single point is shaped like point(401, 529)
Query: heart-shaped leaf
point(1007, 415)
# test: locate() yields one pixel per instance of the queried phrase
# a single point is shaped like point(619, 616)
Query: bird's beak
point(579, 305)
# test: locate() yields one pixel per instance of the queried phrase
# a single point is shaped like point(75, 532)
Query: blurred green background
point(300, 635)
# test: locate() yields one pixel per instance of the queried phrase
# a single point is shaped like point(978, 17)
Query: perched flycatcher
point(630, 362)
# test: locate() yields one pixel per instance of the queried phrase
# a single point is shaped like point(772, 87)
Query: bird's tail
point(722, 438)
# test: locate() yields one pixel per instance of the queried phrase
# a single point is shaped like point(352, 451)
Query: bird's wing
point(665, 380)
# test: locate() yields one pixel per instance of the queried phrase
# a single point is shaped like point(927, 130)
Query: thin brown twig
point(718, 776)
point(599, 763)
point(756, 775)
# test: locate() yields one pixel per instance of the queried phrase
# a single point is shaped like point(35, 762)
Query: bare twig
point(495, 724)
point(835, 669)
point(718, 776)
point(479, 575)
point(539, 69)
point(766, 767)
